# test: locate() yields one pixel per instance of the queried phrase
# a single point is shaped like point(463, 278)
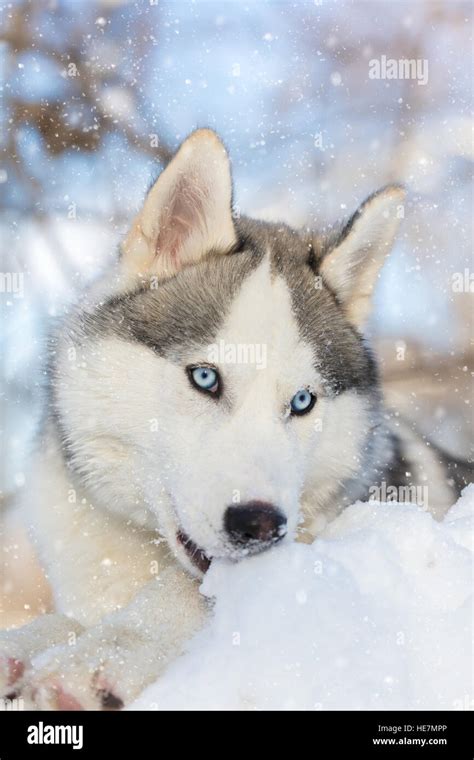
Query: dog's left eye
point(204, 378)
point(302, 402)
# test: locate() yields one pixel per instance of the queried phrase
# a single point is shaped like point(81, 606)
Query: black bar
point(375, 734)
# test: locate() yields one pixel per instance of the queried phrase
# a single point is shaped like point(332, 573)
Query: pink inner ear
point(182, 217)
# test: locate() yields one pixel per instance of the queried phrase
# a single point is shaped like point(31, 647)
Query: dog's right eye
point(205, 379)
point(302, 402)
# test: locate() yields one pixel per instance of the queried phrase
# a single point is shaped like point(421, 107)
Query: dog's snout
point(255, 521)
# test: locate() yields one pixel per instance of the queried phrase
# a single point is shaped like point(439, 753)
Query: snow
point(375, 614)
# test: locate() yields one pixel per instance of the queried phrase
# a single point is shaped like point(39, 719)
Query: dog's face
point(225, 383)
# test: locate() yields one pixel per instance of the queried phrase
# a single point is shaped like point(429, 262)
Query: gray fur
point(188, 310)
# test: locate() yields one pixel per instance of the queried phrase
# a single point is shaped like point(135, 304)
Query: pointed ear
point(352, 264)
point(186, 214)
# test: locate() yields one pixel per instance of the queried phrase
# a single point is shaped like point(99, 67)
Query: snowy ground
point(376, 614)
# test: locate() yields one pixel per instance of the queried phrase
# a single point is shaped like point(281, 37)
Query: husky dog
point(167, 444)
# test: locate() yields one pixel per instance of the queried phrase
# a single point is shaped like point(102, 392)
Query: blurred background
point(98, 94)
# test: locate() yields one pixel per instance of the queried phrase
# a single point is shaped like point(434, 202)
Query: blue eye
point(204, 378)
point(302, 402)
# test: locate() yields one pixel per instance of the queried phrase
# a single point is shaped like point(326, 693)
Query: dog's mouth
point(195, 554)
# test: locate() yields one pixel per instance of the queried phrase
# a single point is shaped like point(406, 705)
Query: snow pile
point(376, 614)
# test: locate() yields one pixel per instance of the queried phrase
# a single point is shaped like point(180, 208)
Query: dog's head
point(225, 383)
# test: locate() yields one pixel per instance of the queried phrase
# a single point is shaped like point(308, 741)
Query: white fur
point(167, 457)
point(151, 456)
point(155, 457)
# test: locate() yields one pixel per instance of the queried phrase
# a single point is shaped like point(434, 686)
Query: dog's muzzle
point(251, 528)
point(254, 525)
point(195, 554)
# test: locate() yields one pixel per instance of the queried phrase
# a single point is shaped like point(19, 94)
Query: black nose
point(254, 521)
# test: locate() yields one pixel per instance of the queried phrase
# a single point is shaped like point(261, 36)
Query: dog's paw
point(13, 661)
point(20, 645)
point(106, 669)
point(64, 684)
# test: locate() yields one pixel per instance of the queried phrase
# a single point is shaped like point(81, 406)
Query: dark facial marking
point(184, 311)
point(341, 355)
point(189, 309)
